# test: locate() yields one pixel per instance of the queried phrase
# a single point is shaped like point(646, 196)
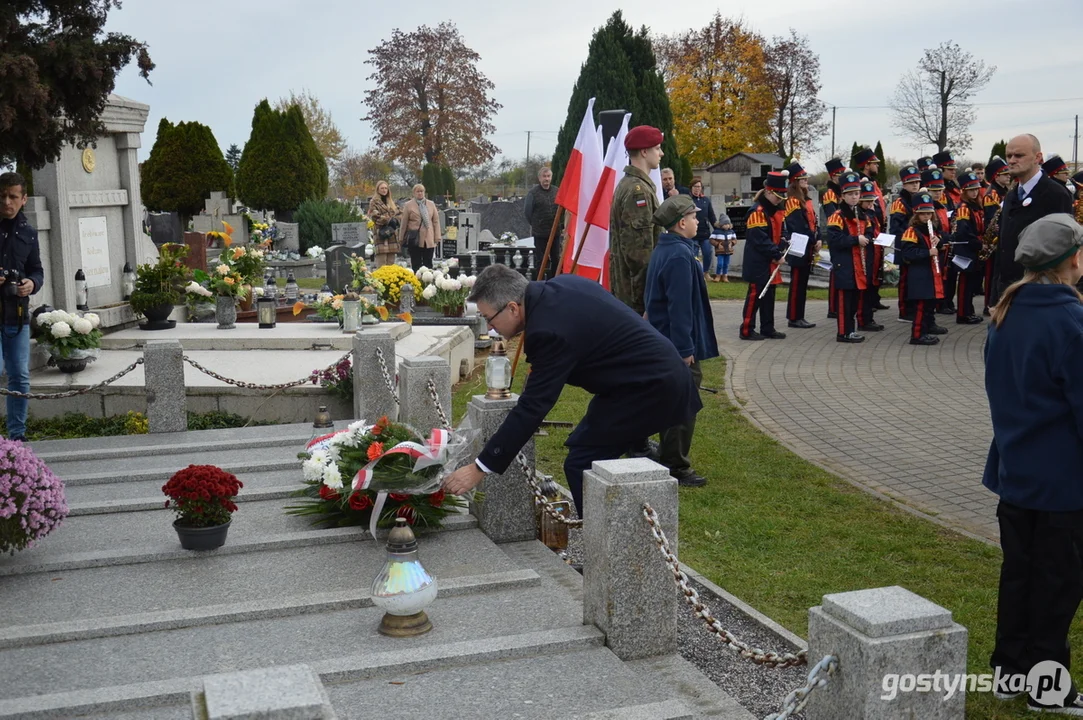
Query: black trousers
point(924, 319)
point(906, 307)
point(1041, 584)
point(968, 288)
point(581, 457)
point(420, 256)
point(675, 443)
point(951, 278)
point(795, 305)
point(832, 294)
point(765, 307)
point(846, 300)
point(554, 256)
point(866, 302)
point(991, 295)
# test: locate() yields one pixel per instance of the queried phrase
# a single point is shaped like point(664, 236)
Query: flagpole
point(541, 274)
point(579, 247)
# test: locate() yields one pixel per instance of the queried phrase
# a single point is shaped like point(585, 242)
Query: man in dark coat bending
point(576, 333)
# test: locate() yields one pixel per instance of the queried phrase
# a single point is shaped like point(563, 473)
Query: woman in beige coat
point(384, 214)
point(420, 229)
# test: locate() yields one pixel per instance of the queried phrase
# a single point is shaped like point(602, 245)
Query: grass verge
point(779, 532)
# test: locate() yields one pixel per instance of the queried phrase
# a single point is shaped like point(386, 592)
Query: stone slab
point(307, 638)
point(291, 692)
point(507, 513)
point(587, 680)
point(123, 495)
point(279, 457)
point(200, 579)
point(880, 612)
point(247, 336)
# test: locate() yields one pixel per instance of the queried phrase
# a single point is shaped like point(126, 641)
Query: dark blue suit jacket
point(578, 334)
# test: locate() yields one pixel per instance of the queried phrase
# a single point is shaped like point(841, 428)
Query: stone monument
point(349, 234)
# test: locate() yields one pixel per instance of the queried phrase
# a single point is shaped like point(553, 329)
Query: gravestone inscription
point(349, 234)
point(288, 237)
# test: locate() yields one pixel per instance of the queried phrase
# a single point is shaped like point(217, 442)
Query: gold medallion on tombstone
point(88, 159)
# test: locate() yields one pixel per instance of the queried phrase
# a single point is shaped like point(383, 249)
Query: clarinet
point(860, 232)
point(933, 252)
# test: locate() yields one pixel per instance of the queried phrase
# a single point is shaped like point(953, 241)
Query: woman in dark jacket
point(706, 218)
point(1033, 381)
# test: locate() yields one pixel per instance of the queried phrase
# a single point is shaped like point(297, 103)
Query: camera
point(10, 288)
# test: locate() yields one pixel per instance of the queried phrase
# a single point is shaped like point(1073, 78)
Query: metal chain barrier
point(539, 497)
point(444, 422)
point(797, 700)
point(72, 393)
point(256, 386)
point(387, 376)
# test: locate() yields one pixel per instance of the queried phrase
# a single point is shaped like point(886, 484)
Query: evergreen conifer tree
point(183, 168)
point(1000, 149)
point(881, 174)
point(280, 166)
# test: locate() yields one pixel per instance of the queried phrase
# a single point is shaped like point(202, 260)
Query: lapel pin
point(1027, 201)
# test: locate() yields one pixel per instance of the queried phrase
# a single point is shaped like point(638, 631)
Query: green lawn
point(779, 532)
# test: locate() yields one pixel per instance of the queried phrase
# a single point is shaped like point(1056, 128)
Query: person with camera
point(21, 275)
point(384, 213)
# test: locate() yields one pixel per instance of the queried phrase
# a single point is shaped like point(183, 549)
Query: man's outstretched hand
point(464, 479)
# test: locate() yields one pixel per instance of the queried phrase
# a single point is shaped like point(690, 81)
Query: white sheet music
point(824, 265)
point(798, 245)
point(890, 257)
point(884, 240)
point(962, 262)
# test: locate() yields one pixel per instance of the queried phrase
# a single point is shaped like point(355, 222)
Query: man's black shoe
point(947, 309)
point(1073, 708)
point(968, 320)
point(832, 316)
point(871, 327)
point(803, 324)
point(938, 330)
point(752, 336)
point(775, 335)
point(18, 438)
point(985, 312)
point(691, 479)
point(924, 340)
point(851, 338)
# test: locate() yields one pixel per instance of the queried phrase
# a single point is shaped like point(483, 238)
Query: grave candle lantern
point(266, 312)
point(498, 371)
point(403, 588)
point(351, 313)
point(80, 291)
point(127, 282)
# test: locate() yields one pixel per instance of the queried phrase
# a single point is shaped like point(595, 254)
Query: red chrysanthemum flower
point(329, 493)
point(405, 511)
point(437, 498)
point(360, 501)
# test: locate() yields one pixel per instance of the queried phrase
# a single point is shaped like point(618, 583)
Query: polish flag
point(590, 171)
point(594, 259)
point(568, 193)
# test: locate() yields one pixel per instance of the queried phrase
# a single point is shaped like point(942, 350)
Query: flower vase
point(225, 312)
point(247, 302)
point(70, 365)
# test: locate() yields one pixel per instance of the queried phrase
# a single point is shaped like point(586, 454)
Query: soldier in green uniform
point(632, 232)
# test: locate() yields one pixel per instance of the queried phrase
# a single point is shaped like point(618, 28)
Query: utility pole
point(833, 109)
point(528, 146)
point(1075, 147)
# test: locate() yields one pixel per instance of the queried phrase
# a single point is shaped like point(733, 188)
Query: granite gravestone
point(165, 228)
point(196, 259)
point(339, 274)
point(349, 234)
point(503, 216)
point(469, 228)
point(289, 239)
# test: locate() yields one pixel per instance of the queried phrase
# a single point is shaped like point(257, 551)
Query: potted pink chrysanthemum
point(32, 500)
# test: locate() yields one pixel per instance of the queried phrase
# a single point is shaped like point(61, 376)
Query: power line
point(989, 104)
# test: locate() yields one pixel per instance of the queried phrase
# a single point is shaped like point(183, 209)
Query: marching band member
point(800, 218)
point(763, 253)
point(924, 162)
point(847, 239)
point(874, 259)
point(866, 162)
point(967, 235)
point(829, 201)
point(999, 182)
point(1056, 168)
point(925, 286)
point(897, 224)
point(933, 180)
point(945, 161)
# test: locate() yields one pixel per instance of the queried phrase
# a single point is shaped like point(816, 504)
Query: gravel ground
point(759, 689)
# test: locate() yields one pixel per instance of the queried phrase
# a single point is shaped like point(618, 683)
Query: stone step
point(147, 494)
point(171, 698)
point(278, 578)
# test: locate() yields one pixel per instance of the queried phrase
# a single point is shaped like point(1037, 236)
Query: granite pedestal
point(417, 408)
point(371, 397)
point(507, 513)
point(166, 399)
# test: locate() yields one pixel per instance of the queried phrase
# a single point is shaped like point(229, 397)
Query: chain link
point(387, 377)
point(539, 497)
point(72, 393)
point(796, 701)
point(256, 386)
point(756, 655)
point(444, 422)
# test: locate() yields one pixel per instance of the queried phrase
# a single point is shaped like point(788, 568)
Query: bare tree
point(931, 105)
point(320, 125)
point(793, 74)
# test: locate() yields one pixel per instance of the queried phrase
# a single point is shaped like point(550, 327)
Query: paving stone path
point(908, 421)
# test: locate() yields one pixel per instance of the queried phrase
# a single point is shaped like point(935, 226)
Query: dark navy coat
point(922, 283)
point(19, 250)
point(969, 228)
point(676, 298)
point(801, 218)
point(842, 237)
point(578, 334)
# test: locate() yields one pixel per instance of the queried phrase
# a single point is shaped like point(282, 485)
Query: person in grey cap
point(1034, 381)
point(679, 308)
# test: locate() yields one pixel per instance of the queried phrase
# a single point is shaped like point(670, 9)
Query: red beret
point(642, 137)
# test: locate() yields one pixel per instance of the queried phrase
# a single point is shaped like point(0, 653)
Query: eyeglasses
point(489, 320)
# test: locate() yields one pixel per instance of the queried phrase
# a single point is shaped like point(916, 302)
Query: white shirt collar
point(1028, 186)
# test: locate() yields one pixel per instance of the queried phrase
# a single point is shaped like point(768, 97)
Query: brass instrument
point(1079, 211)
point(991, 237)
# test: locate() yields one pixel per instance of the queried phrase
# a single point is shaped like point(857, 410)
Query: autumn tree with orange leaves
point(430, 102)
point(718, 90)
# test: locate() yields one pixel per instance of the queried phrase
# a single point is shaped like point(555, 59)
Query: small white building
point(737, 178)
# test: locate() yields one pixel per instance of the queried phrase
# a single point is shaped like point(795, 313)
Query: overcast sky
point(218, 58)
